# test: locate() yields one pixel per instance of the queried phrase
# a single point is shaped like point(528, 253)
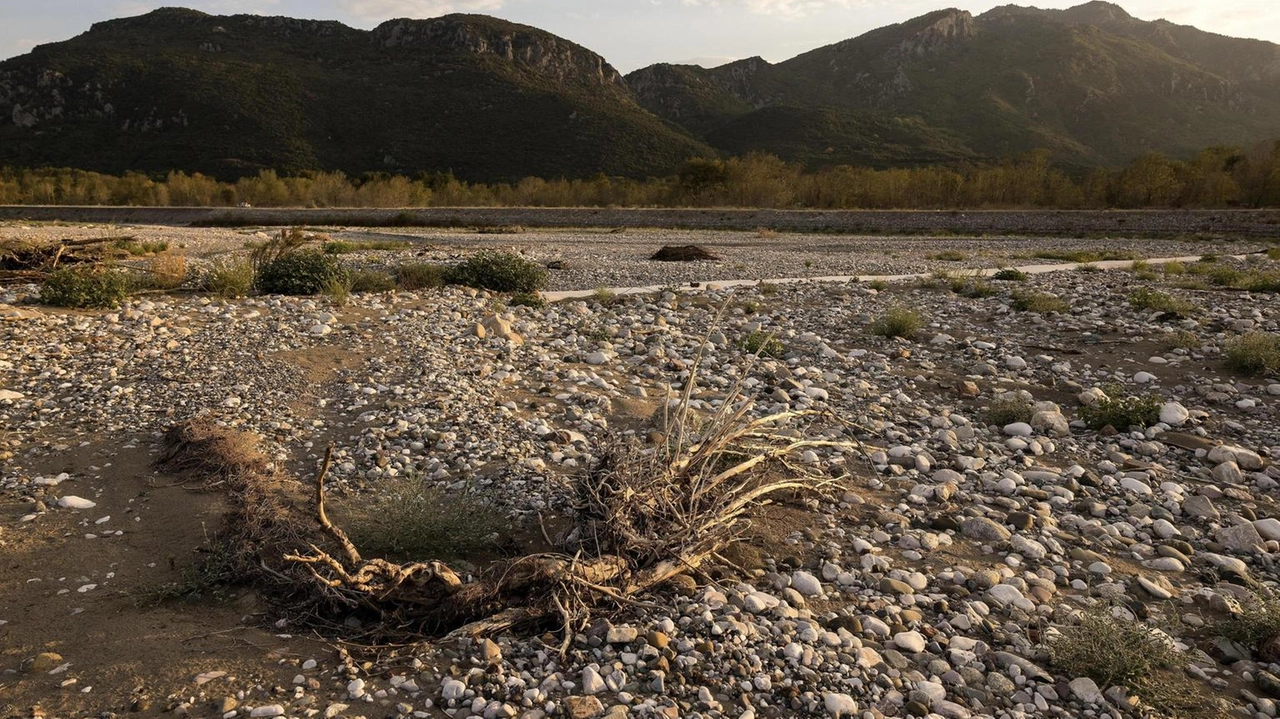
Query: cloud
point(791, 9)
point(372, 10)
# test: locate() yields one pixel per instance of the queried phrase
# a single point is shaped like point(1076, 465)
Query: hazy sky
point(629, 33)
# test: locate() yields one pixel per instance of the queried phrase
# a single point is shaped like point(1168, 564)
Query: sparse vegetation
point(85, 286)
point(763, 344)
point(1144, 298)
point(371, 281)
point(1184, 339)
point(1085, 256)
point(406, 519)
point(878, 285)
point(1120, 651)
point(1256, 624)
point(1008, 409)
point(498, 271)
point(902, 322)
point(301, 272)
point(528, 299)
point(342, 247)
point(1254, 353)
point(229, 277)
point(603, 295)
point(1088, 268)
point(167, 270)
point(949, 256)
point(1122, 411)
point(1174, 268)
point(1040, 302)
point(767, 289)
point(140, 249)
point(420, 276)
point(1010, 274)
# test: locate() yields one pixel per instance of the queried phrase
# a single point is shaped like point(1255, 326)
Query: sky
point(630, 33)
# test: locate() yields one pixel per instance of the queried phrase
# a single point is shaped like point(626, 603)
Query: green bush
point(304, 272)
point(1145, 298)
point(229, 277)
point(85, 286)
point(1010, 274)
point(948, 256)
point(420, 275)
point(1123, 412)
point(498, 271)
point(1040, 302)
point(898, 322)
point(372, 281)
point(762, 343)
point(1255, 353)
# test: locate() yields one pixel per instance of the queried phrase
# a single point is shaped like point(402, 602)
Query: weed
point(167, 270)
point(878, 285)
point(766, 233)
point(949, 256)
point(1273, 253)
point(1122, 412)
point(1088, 268)
point(604, 295)
point(1040, 302)
point(528, 299)
point(1174, 268)
point(84, 286)
point(498, 271)
point(1144, 298)
point(897, 322)
point(307, 272)
point(1254, 353)
point(1008, 409)
point(1258, 622)
point(140, 249)
point(767, 289)
point(338, 289)
point(1184, 339)
point(408, 520)
point(763, 344)
point(229, 277)
point(1085, 255)
point(420, 275)
point(371, 281)
point(1010, 274)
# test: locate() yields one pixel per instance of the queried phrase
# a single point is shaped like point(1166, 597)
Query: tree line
point(1217, 177)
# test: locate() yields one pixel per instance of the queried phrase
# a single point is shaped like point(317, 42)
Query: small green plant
point(498, 271)
point(949, 256)
point(372, 281)
point(604, 295)
point(1008, 409)
point(763, 344)
point(1258, 622)
point(1010, 274)
point(1254, 353)
point(1085, 255)
point(528, 299)
point(1273, 253)
point(408, 520)
point(902, 322)
point(420, 275)
point(878, 285)
point(1119, 651)
point(1040, 302)
point(1184, 339)
point(1088, 268)
point(338, 290)
point(338, 247)
point(84, 286)
point(140, 249)
point(1174, 268)
point(1259, 281)
point(305, 272)
point(1122, 411)
point(1144, 298)
point(767, 289)
point(751, 307)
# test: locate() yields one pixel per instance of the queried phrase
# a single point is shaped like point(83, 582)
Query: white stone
point(1018, 429)
point(1007, 594)
point(271, 710)
point(912, 641)
point(320, 330)
point(596, 358)
point(1086, 690)
point(73, 502)
point(807, 584)
point(451, 689)
point(1144, 378)
point(840, 705)
point(1269, 528)
point(1174, 414)
point(10, 396)
point(592, 682)
point(355, 688)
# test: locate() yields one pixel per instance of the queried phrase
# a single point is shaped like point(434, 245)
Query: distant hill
point(179, 89)
point(491, 100)
point(1091, 83)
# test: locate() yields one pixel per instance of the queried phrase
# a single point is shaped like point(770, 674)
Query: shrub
point(878, 285)
point(1122, 412)
point(338, 289)
point(420, 275)
point(166, 270)
point(528, 299)
point(338, 247)
point(1144, 298)
point(1184, 339)
point(977, 289)
point(1115, 651)
point(371, 281)
point(1258, 622)
point(498, 271)
point(898, 322)
point(1040, 302)
point(84, 286)
point(407, 520)
point(1260, 282)
point(1174, 268)
point(1010, 274)
point(763, 344)
point(139, 249)
point(1088, 268)
point(229, 277)
point(767, 289)
point(948, 256)
point(604, 295)
point(1008, 409)
point(305, 272)
point(1254, 353)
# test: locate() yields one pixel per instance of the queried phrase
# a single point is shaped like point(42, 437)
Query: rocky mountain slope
point(487, 99)
point(1092, 83)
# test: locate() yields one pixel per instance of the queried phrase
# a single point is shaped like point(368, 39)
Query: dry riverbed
point(961, 542)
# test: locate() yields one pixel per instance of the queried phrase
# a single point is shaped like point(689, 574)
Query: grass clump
point(528, 299)
point(763, 344)
point(949, 256)
point(1174, 268)
point(604, 295)
point(408, 520)
point(1040, 302)
point(1258, 622)
point(1273, 253)
point(498, 271)
point(420, 275)
point(898, 322)
point(303, 272)
point(1088, 268)
point(1010, 274)
point(878, 285)
point(1145, 298)
point(768, 289)
point(1184, 339)
point(1009, 409)
point(372, 281)
point(1085, 255)
point(229, 277)
point(1119, 651)
point(85, 287)
point(1122, 412)
point(141, 249)
point(1254, 353)
point(978, 289)
point(166, 270)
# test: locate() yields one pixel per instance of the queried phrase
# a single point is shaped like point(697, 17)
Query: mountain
point(1091, 83)
point(179, 89)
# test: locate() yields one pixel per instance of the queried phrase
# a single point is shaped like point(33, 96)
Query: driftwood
point(26, 261)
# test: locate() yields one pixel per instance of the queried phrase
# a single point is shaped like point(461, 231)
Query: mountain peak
point(1096, 13)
